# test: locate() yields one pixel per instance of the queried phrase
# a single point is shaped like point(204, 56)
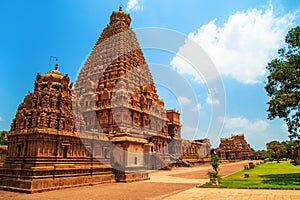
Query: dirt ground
point(163, 184)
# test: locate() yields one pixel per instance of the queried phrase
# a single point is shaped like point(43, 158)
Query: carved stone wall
point(3, 153)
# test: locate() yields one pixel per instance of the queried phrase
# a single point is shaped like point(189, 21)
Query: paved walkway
point(235, 194)
point(179, 183)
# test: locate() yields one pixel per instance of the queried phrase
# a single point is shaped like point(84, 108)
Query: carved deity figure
point(53, 122)
point(43, 121)
point(45, 101)
point(61, 124)
point(54, 101)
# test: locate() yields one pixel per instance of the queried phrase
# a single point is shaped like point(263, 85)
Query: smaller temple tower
point(234, 148)
point(44, 150)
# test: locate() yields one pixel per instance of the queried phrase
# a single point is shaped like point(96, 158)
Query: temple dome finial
point(120, 16)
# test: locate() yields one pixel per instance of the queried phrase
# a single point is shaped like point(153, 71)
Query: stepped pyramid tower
point(115, 95)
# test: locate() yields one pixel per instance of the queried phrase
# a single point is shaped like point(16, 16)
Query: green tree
point(3, 137)
point(289, 144)
point(283, 85)
point(214, 161)
point(276, 150)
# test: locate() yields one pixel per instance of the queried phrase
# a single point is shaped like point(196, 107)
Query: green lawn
point(267, 175)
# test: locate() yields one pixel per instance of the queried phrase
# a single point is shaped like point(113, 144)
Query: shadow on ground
point(281, 179)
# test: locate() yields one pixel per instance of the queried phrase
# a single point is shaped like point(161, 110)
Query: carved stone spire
point(124, 82)
point(48, 107)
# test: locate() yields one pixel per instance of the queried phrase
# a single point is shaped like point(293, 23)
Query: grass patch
point(268, 175)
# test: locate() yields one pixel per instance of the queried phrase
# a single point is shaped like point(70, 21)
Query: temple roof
point(55, 74)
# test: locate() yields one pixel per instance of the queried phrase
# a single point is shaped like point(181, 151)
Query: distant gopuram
point(234, 148)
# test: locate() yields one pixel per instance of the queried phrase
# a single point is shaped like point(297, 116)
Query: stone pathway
point(235, 194)
point(178, 183)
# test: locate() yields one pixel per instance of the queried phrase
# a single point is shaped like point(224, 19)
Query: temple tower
point(115, 95)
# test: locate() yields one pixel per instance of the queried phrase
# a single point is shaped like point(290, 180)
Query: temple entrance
point(65, 151)
point(135, 161)
point(227, 155)
point(18, 150)
point(106, 153)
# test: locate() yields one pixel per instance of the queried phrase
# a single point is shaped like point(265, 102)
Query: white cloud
point(182, 66)
point(210, 99)
point(239, 124)
point(197, 107)
point(241, 47)
point(1, 119)
point(183, 100)
point(134, 5)
point(189, 132)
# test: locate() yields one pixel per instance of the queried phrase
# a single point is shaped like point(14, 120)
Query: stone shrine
point(234, 148)
point(44, 150)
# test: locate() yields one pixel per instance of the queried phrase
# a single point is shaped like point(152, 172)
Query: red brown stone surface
point(3, 153)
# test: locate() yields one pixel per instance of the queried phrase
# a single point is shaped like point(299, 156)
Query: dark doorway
point(135, 161)
point(65, 151)
point(227, 155)
point(18, 150)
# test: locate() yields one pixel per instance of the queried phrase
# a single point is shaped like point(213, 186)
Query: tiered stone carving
point(115, 90)
point(49, 108)
point(234, 148)
point(44, 150)
point(124, 94)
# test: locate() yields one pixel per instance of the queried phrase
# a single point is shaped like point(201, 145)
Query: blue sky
point(240, 37)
